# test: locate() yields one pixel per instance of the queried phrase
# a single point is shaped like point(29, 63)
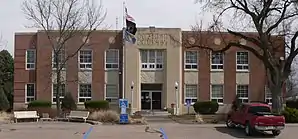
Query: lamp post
point(131, 94)
point(177, 97)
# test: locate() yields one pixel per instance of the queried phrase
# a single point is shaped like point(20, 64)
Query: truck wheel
point(230, 123)
point(248, 129)
point(276, 132)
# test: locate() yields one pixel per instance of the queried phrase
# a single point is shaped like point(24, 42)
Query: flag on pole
point(131, 28)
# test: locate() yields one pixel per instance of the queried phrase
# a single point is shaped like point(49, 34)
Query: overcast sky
point(159, 13)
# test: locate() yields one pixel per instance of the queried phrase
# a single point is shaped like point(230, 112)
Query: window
point(242, 92)
point(54, 92)
point(191, 93)
point(242, 61)
point(30, 59)
point(217, 61)
point(84, 92)
point(268, 95)
point(152, 59)
point(30, 92)
point(112, 59)
point(191, 60)
point(217, 93)
point(85, 57)
point(112, 94)
point(60, 55)
point(256, 109)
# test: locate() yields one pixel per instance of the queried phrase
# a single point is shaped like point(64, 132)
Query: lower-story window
point(84, 93)
point(217, 93)
point(54, 92)
point(112, 94)
point(268, 95)
point(30, 92)
point(242, 93)
point(191, 93)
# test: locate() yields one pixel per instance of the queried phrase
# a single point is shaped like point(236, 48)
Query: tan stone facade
point(158, 61)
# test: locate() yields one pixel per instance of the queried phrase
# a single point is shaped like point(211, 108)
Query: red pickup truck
point(256, 117)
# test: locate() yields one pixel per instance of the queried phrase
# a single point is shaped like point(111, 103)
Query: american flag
point(128, 17)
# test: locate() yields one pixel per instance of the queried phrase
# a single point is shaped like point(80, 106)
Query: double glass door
point(151, 100)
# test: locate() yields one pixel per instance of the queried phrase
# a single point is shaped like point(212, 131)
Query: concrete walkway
point(65, 130)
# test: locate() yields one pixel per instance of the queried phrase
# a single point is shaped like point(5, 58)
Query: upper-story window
point(217, 60)
point(191, 60)
point(30, 59)
point(152, 59)
point(112, 59)
point(242, 61)
point(85, 59)
point(58, 55)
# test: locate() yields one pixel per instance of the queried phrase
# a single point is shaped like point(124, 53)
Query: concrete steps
point(157, 117)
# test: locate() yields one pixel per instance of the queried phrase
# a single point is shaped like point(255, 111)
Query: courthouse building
point(159, 66)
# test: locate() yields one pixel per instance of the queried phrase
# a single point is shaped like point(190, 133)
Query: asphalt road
point(64, 130)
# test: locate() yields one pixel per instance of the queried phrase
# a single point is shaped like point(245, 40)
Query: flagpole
point(123, 10)
point(123, 53)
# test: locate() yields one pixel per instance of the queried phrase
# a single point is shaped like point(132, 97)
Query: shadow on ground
point(239, 133)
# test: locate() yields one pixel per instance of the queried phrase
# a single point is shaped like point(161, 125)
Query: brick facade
point(41, 76)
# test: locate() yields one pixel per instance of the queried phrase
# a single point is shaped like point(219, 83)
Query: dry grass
point(5, 117)
point(110, 116)
point(104, 116)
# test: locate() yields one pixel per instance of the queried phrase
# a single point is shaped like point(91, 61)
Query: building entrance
point(151, 99)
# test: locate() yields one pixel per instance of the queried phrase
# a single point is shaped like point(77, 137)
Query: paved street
point(60, 130)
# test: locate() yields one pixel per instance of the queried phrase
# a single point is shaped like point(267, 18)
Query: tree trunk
point(276, 88)
point(58, 82)
point(58, 92)
point(276, 91)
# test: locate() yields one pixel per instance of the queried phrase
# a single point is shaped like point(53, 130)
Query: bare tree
point(272, 21)
point(291, 83)
point(62, 21)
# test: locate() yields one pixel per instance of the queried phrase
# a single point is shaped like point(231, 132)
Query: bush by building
point(68, 103)
point(95, 105)
point(4, 103)
point(291, 115)
point(292, 104)
point(40, 104)
point(206, 107)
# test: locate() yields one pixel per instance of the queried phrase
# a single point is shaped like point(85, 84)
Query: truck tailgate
point(270, 120)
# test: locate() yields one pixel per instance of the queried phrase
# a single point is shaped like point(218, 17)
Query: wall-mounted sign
point(154, 39)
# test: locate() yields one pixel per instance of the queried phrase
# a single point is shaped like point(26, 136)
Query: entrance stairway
point(156, 116)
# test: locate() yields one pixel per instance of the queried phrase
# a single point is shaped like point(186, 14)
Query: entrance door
point(145, 100)
point(151, 98)
point(156, 100)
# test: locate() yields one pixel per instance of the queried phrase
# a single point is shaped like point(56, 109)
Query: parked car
point(256, 117)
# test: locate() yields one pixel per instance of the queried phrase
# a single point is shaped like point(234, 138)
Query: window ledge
point(245, 71)
point(151, 69)
point(116, 69)
point(191, 70)
point(217, 70)
point(85, 69)
point(55, 69)
point(221, 104)
point(30, 68)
